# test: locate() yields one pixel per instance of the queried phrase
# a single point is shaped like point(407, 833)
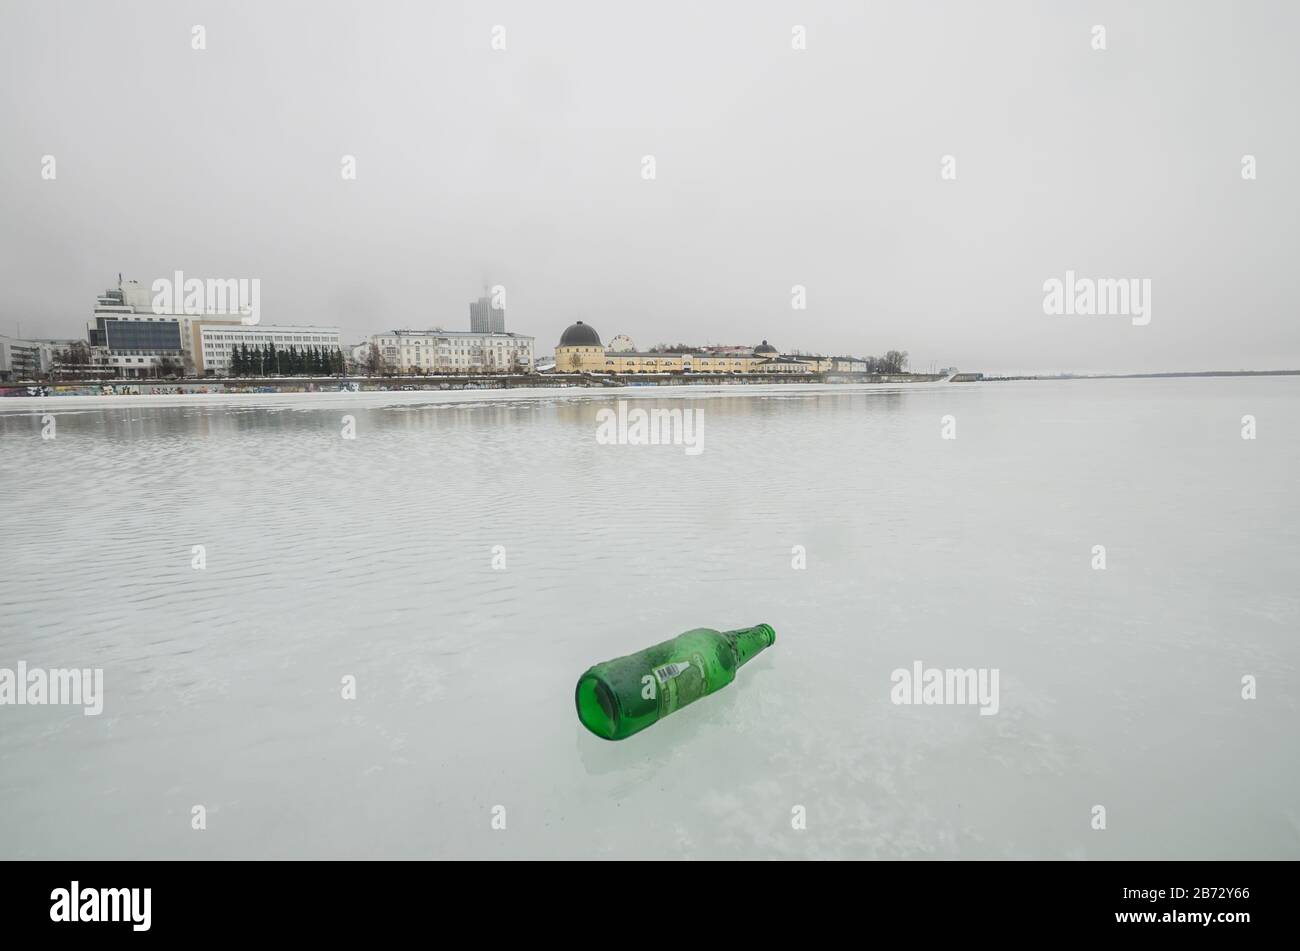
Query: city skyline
point(766, 178)
point(162, 297)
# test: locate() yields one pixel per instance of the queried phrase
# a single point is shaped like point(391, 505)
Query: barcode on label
point(668, 671)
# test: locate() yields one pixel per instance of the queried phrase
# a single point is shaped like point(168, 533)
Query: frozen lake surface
point(373, 558)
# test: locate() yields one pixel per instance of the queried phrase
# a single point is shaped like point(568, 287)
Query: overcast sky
point(775, 167)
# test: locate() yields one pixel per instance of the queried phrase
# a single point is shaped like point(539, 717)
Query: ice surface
point(373, 558)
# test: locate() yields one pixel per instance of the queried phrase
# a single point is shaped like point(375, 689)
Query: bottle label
point(683, 682)
point(668, 671)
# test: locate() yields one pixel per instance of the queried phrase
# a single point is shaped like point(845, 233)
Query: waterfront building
point(19, 359)
point(646, 362)
point(724, 361)
point(63, 358)
point(772, 361)
point(580, 351)
point(486, 319)
point(29, 359)
point(678, 363)
point(848, 365)
point(128, 338)
point(54, 350)
point(218, 341)
point(793, 364)
point(452, 351)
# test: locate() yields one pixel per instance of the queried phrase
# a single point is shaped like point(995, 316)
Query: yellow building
point(580, 350)
point(794, 364)
point(722, 362)
point(784, 365)
point(634, 362)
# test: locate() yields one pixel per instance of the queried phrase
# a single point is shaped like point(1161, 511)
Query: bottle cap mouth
point(597, 706)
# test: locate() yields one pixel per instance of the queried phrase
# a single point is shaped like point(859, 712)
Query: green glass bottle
point(624, 696)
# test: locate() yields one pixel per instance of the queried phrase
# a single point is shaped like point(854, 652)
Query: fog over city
point(774, 166)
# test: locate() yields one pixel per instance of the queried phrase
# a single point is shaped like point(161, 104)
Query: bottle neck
point(749, 641)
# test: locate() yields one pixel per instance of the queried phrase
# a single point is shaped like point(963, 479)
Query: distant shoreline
point(1141, 376)
point(531, 385)
point(436, 384)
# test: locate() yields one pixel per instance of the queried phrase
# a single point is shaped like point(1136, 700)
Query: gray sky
point(775, 167)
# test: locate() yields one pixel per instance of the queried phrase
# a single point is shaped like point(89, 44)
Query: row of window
point(231, 346)
point(459, 350)
point(269, 338)
point(471, 350)
point(446, 341)
point(446, 360)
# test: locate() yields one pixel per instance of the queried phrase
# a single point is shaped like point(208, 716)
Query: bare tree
point(894, 361)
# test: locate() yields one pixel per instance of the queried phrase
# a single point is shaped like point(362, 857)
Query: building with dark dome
point(580, 335)
point(579, 350)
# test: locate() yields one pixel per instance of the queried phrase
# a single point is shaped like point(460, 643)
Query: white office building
point(128, 337)
point(451, 351)
point(19, 359)
point(218, 342)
